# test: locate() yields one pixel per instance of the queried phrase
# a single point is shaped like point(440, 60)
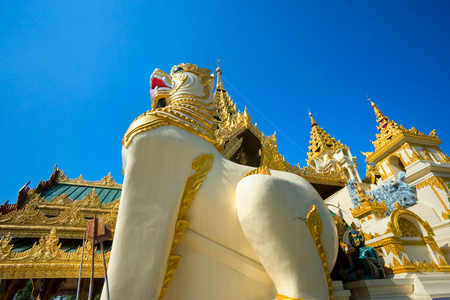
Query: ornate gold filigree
point(111, 218)
point(5, 247)
point(91, 200)
point(321, 141)
point(71, 222)
point(261, 170)
point(367, 207)
point(314, 223)
point(432, 266)
point(367, 236)
point(231, 147)
point(270, 157)
point(27, 215)
point(408, 229)
point(46, 260)
point(398, 212)
point(341, 226)
point(371, 174)
point(62, 199)
point(89, 205)
point(202, 166)
point(107, 181)
point(396, 248)
point(191, 68)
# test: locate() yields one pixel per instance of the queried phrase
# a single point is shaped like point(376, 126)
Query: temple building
point(401, 207)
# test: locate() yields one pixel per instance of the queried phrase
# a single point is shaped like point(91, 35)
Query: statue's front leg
point(155, 177)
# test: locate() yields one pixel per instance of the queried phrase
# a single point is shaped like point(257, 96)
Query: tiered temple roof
point(321, 141)
point(391, 135)
point(42, 237)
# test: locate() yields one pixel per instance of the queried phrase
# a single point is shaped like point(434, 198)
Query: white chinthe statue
point(192, 225)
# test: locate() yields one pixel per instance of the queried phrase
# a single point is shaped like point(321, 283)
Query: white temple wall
point(427, 196)
point(426, 212)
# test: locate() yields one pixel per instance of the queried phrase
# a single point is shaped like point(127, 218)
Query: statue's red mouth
point(156, 83)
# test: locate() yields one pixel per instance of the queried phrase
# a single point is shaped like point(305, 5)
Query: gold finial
point(218, 70)
point(382, 120)
point(371, 102)
point(219, 77)
point(313, 122)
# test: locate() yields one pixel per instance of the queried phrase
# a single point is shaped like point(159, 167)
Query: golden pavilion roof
point(56, 209)
point(230, 122)
point(391, 134)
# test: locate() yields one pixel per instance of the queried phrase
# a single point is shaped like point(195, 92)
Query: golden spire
point(382, 120)
point(313, 122)
point(320, 140)
point(219, 78)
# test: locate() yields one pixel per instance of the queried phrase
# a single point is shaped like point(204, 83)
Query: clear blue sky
point(74, 74)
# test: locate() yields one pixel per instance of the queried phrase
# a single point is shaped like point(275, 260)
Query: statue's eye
point(177, 69)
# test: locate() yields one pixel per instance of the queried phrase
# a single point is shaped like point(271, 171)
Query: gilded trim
point(283, 297)
point(398, 212)
point(202, 166)
point(107, 181)
point(261, 170)
point(314, 223)
point(46, 260)
point(70, 222)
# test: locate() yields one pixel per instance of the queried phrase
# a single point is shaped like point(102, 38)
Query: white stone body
point(246, 239)
point(217, 260)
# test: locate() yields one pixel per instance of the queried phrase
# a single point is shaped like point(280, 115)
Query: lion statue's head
point(184, 81)
point(182, 98)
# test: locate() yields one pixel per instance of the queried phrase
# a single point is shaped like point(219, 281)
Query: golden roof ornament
point(191, 68)
point(382, 120)
point(313, 122)
point(219, 77)
point(391, 134)
point(320, 141)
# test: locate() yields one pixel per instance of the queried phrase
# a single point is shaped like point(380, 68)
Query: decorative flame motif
point(202, 166)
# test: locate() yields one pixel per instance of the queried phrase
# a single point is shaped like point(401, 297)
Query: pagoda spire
point(382, 120)
point(219, 77)
point(320, 140)
point(226, 111)
point(313, 122)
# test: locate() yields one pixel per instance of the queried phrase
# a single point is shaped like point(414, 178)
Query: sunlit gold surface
point(46, 260)
point(320, 141)
point(70, 216)
point(283, 297)
point(314, 223)
point(107, 181)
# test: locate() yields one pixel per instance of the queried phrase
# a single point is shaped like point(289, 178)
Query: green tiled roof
point(77, 192)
